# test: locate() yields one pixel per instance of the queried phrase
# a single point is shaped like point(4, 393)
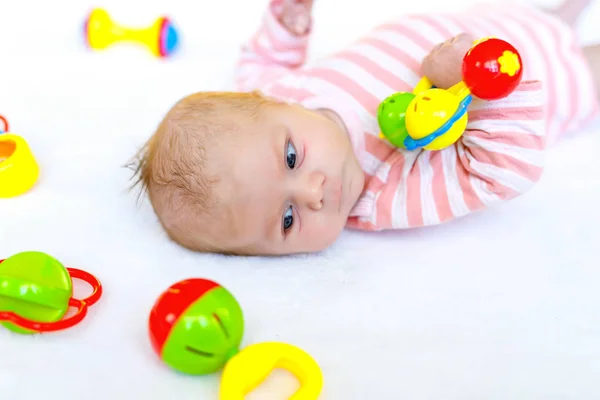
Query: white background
point(500, 305)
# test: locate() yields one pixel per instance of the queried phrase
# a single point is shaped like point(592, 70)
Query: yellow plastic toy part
point(423, 85)
point(432, 108)
point(18, 168)
point(101, 32)
point(250, 367)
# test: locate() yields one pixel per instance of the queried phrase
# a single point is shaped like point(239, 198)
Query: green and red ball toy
point(196, 326)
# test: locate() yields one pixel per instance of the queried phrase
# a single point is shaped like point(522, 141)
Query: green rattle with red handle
point(36, 292)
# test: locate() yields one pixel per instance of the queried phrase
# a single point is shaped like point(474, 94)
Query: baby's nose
point(312, 191)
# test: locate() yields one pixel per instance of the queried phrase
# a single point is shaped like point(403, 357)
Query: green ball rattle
point(36, 292)
point(391, 115)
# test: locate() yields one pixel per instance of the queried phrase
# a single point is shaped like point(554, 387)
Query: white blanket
point(500, 305)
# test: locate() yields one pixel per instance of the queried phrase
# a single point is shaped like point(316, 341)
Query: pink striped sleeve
point(499, 157)
point(270, 53)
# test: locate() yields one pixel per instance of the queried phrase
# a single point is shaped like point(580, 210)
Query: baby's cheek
point(323, 230)
point(321, 149)
point(337, 144)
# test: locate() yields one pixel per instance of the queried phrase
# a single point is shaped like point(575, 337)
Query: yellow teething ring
point(19, 170)
point(251, 366)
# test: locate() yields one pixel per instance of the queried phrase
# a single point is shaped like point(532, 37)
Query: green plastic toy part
point(36, 292)
point(34, 286)
point(391, 115)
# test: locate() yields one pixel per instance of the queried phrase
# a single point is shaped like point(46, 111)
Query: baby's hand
point(296, 16)
point(443, 65)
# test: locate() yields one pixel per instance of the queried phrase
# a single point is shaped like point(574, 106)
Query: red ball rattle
point(36, 292)
point(492, 69)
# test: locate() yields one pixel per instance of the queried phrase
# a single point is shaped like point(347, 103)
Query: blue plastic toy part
point(412, 144)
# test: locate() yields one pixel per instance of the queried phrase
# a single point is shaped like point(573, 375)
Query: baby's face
point(288, 181)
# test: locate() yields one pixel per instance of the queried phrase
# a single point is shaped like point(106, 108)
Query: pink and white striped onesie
point(501, 154)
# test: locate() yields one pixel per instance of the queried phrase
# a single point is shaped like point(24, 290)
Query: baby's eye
point(290, 155)
point(288, 219)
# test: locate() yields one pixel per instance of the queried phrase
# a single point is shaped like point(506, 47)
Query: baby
point(284, 165)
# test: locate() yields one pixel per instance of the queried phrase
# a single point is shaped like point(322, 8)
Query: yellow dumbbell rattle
point(161, 38)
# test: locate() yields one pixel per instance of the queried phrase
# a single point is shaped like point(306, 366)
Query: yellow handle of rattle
point(460, 89)
point(423, 85)
point(251, 366)
point(143, 35)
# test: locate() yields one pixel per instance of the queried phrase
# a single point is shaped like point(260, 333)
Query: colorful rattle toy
point(196, 327)
point(434, 118)
point(19, 170)
point(160, 38)
point(36, 292)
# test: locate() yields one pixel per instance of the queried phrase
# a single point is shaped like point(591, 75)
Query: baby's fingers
point(462, 42)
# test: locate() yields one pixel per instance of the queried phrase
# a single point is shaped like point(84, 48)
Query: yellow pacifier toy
point(252, 365)
point(433, 118)
point(19, 170)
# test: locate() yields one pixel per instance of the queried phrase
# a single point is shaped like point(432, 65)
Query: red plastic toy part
point(4, 122)
point(81, 305)
point(492, 69)
point(171, 305)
